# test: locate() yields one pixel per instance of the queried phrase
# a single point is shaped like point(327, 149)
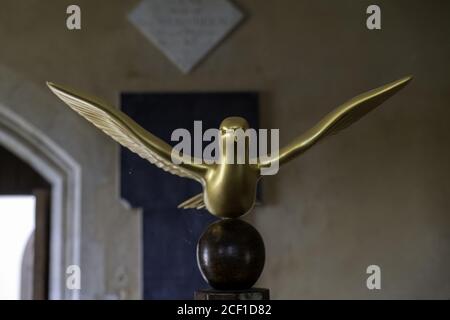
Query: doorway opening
point(24, 230)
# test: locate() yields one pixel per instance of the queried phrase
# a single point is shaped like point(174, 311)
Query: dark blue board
point(171, 234)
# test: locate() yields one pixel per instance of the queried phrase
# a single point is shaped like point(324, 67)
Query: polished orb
point(231, 255)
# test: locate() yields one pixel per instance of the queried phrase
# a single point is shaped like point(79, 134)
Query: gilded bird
point(229, 190)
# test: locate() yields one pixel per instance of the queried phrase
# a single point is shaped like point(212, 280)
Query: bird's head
point(236, 139)
point(231, 124)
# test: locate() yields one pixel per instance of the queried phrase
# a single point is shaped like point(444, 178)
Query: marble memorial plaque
point(185, 30)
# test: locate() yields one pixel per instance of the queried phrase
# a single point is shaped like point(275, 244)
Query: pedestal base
point(248, 294)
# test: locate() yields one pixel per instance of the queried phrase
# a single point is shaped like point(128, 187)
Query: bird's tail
point(196, 202)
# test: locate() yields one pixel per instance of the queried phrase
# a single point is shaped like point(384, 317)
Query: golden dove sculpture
point(229, 190)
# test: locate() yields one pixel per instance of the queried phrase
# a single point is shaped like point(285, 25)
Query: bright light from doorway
point(17, 217)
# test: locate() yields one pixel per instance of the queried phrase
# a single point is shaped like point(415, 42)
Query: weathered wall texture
point(376, 194)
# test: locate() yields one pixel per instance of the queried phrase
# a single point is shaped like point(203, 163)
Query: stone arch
point(64, 174)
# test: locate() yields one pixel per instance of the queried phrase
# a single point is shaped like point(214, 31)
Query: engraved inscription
point(185, 30)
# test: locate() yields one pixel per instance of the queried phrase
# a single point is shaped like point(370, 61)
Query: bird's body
point(229, 188)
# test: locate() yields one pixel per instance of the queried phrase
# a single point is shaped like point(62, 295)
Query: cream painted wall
point(376, 194)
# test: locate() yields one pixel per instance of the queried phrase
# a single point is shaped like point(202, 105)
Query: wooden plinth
point(249, 294)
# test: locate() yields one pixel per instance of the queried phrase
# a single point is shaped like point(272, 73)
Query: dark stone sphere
point(230, 255)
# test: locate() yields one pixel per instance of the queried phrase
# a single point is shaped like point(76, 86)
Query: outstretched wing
point(128, 133)
point(196, 202)
point(337, 120)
